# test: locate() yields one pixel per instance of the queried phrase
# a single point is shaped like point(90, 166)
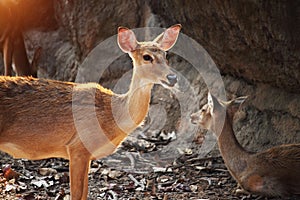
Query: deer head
point(149, 58)
point(208, 116)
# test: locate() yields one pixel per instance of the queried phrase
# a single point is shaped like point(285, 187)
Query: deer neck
point(234, 155)
point(131, 108)
point(117, 114)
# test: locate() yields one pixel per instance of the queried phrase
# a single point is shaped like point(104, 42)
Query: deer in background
point(12, 42)
point(36, 118)
point(273, 172)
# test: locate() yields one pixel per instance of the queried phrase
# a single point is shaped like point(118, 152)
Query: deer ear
point(210, 102)
point(126, 40)
point(213, 103)
point(235, 104)
point(168, 38)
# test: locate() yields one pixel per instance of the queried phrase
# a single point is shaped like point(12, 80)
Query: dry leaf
point(47, 171)
point(9, 173)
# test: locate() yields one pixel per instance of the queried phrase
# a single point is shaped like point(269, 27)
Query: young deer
point(273, 172)
point(36, 119)
point(12, 43)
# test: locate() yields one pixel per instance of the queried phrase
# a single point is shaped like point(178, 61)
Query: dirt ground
point(189, 177)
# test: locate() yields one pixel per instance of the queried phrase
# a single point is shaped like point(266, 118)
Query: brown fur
point(273, 172)
point(44, 118)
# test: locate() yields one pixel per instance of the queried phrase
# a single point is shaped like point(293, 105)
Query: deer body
point(27, 107)
point(273, 172)
point(37, 115)
point(45, 112)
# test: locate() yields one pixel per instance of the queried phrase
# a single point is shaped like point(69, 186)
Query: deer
point(13, 46)
point(273, 172)
point(36, 119)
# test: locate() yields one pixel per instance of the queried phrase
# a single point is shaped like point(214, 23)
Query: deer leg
point(79, 168)
point(20, 58)
point(35, 60)
point(7, 56)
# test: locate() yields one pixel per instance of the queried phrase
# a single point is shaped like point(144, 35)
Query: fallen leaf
point(47, 171)
point(9, 173)
point(161, 169)
point(40, 183)
point(10, 188)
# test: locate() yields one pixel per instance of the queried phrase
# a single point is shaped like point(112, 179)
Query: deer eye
point(147, 58)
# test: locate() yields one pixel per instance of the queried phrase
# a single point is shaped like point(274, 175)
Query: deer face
point(212, 113)
point(209, 114)
point(149, 58)
point(203, 117)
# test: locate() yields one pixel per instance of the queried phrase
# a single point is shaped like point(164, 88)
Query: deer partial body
point(273, 172)
point(12, 43)
point(45, 118)
point(36, 117)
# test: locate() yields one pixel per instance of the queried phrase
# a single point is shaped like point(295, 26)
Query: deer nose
point(172, 78)
point(194, 118)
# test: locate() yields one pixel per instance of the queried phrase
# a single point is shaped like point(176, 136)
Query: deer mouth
point(168, 84)
point(170, 81)
point(194, 119)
